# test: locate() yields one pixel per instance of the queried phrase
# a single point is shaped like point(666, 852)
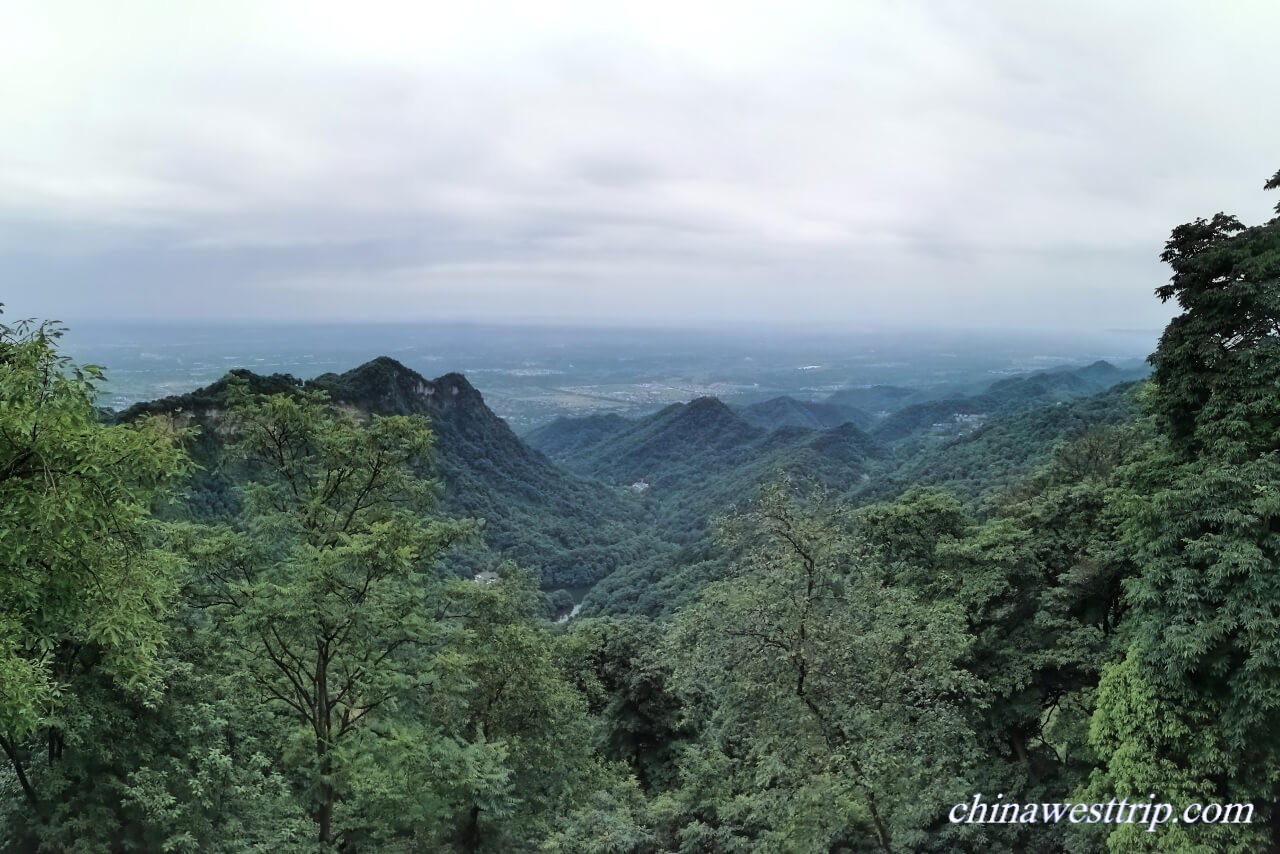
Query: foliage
point(1203, 617)
point(572, 530)
point(833, 703)
point(1218, 362)
point(1005, 450)
point(83, 588)
point(324, 588)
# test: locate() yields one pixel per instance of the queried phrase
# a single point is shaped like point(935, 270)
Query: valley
point(619, 508)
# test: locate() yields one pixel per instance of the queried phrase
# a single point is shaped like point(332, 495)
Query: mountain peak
point(380, 370)
point(1102, 366)
point(705, 414)
point(382, 362)
point(455, 384)
point(707, 403)
point(386, 386)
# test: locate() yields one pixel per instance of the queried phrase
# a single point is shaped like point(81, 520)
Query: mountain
point(697, 481)
point(961, 415)
point(566, 437)
point(683, 440)
point(628, 493)
point(946, 416)
point(789, 412)
point(691, 461)
point(1046, 387)
point(574, 530)
point(876, 398)
point(1009, 447)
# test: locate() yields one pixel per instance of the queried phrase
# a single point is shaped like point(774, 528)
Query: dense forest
point(285, 615)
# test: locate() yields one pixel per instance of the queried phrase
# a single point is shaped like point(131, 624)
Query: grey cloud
point(951, 161)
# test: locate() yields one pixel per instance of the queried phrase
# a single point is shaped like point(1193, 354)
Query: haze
point(952, 164)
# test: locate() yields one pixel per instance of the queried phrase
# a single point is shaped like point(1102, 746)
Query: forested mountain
point(949, 415)
point(962, 414)
point(789, 412)
point(877, 398)
point(691, 461)
point(889, 413)
point(696, 459)
point(1001, 450)
point(1034, 388)
point(573, 530)
point(631, 501)
point(566, 437)
point(658, 448)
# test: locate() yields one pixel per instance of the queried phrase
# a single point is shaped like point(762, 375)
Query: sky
point(832, 164)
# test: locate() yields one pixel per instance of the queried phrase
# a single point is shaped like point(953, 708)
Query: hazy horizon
point(531, 374)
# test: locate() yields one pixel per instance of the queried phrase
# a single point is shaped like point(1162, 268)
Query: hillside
point(789, 412)
point(1006, 448)
point(572, 529)
point(566, 437)
point(624, 494)
point(701, 438)
point(960, 415)
point(974, 458)
point(876, 398)
point(690, 462)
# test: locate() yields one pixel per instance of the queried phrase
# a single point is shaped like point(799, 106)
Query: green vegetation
point(83, 584)
point(572, 530)
point(245, 619)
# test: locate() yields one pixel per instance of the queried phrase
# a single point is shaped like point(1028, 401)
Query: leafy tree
point(489, 754)
point(1039, 584)
point(1204, 525)
point(834, 705)
point(326, 588)
point(1156, 747)
point(194, 769)
point(518, 695)
point(83, 588)
point(619, 666)
point(1218, 363)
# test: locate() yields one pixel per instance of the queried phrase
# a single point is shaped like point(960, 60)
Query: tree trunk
point(471, 833)
point(325, 791)
point(324, 803)
point(11, 750)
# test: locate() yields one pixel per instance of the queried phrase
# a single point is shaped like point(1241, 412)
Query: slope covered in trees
point(814, 415)
point(691, 461)
point(573, 530)
point(1003, 450)
point(570, 436)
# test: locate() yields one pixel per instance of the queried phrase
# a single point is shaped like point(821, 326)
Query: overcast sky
point(843, 163)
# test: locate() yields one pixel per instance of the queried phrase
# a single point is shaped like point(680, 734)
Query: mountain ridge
point(573, 529)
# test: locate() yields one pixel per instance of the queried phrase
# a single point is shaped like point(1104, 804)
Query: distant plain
point(530, 375)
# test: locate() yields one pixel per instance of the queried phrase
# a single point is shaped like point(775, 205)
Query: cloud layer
point(951, 163)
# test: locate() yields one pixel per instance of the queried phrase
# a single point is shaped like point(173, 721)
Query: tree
point(1218, 363)
point(834, 702)
point(83, 588)
point(618, 663)
point(327, 584)
point(1204, 525)
point(1036, 585)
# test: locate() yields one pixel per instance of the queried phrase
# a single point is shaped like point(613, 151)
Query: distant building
point(486, 577)
point(640, 486)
